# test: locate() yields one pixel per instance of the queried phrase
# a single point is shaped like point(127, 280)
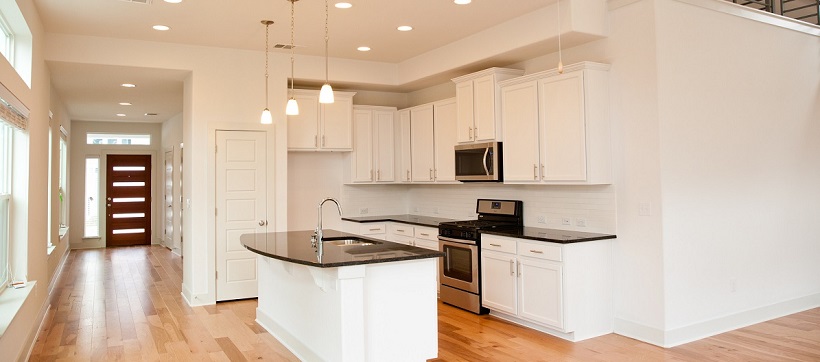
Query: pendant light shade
point(326, 94)
point(292, 108)
point(266, 116)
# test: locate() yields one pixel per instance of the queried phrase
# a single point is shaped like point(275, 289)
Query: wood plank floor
point(125, 304)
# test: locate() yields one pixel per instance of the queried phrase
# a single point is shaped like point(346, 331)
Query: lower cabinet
point(561, 289)
point(419, 236)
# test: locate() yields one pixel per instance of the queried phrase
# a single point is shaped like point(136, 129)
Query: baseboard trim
point(693, 332)
point(42, 316)
point(194, 300)
point(299, 349)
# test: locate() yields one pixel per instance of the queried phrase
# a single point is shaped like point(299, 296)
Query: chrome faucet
point(316, 239)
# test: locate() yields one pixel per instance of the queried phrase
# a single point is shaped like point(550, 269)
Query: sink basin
point(349, 242)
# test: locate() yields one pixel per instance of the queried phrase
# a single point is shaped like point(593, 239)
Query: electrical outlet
point(581, 222)
point(363, 211)
point(542, 219)
point(566, 221)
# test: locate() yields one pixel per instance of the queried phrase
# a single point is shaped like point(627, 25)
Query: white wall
point(739, 106)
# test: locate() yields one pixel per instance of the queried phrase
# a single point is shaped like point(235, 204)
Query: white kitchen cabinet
point(444, 135)
point(402, 145)
point(422, 143)
point(373, 144)
point(557, 126)
point(561, 289)
point(477, 96)
point(321, 127)
point(499, 279)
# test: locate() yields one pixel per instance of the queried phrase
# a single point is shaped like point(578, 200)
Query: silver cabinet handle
point(496, 245)
point(424, 234)
point(371, 175)
point(512, 267)
point(400, 230)
point(431, 173)
point(315, 141)
point(542, 170)
point(378, 175)
point(475, 133)
point(519, 269)
point(470, 133)
point(323, 141)
point(536, 251)
point(534, 171)
point(408, 175)
point(376, 229)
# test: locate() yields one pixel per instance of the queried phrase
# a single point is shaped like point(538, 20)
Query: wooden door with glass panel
point(128, 200)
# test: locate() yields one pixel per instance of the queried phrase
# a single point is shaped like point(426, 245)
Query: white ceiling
point(85, 89)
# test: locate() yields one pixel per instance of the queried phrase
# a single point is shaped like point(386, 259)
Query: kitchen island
point(363, 300)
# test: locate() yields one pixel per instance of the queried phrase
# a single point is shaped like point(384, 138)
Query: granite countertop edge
point(432, 221)
point(517, 233)
point(427, 254)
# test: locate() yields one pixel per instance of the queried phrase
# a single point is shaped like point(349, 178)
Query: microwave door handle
point(486, 170)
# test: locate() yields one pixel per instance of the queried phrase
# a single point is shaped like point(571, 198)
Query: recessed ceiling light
point(363, 49)
point(458, 2)
point(125, 103)
point(120, 114)
point(405, 28)
point(173, 1)
point(128, 85)
point(343, 5)
point(161, 27)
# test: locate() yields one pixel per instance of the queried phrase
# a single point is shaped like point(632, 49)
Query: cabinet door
point(444, 133)
point(362, 146)
point(498, 281)
point(563, 132)
point(421, 143)
point(403, 145)
point(337, 124)
point(484, 125)
point(384, 151)
point(541, 292)
point(464, 99)
point(519, 117)
point(303, 129)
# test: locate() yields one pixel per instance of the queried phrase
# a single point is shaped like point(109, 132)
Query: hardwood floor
point(125, 304)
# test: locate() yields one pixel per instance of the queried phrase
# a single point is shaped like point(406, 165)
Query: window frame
point(6, 196)
point(7, 46)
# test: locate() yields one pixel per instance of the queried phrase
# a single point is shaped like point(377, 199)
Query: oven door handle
point(457, 241)
point(486, 170)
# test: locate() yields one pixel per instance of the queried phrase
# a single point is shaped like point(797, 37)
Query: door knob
point(262, 222)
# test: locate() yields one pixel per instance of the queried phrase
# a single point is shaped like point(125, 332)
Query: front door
point(128, 202)
point(241, 185)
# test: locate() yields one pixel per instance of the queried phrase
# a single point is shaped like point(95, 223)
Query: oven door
point(459, 266)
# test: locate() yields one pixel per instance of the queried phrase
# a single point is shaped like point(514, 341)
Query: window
point(92, 195)
point(118, 139)
point(6, 40)
point(63, 183)
point(6, 134)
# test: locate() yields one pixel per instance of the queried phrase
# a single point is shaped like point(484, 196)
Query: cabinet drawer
point(427, 244)
point(540, 250)
point(371, 229)
point(426, 233)
point(400, 229)
point(498, 243)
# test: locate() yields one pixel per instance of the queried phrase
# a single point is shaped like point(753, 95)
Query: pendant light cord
point(326, 40)
point(291, 44)
point(267, 26)
point(560, 58)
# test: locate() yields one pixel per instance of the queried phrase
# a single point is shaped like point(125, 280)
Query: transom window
point(6, 40)
point(118, 139)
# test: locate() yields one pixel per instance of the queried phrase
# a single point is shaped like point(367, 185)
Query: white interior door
point(241, 209)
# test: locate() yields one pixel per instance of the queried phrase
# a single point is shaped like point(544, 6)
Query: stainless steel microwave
point(479, 162)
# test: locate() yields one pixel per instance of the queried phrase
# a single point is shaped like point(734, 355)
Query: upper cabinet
point(403, 151)
point(432, 138)
point(373, 144)
point(477, 98)
point(557, 126)
point(321, 127)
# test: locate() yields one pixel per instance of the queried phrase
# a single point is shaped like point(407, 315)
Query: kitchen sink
point(349, 242)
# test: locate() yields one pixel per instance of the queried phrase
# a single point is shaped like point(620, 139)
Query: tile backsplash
point(583, 208)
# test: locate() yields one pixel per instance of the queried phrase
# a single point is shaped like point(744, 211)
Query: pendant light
point(292, 108)
point(560, 60)
point(266, 116)
point(326, 94)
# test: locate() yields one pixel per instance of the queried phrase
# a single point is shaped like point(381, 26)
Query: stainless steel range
point(460, 271)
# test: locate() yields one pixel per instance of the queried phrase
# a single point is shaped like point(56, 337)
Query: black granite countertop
point(550, 235)
point(294, 246)
point(406, 218)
